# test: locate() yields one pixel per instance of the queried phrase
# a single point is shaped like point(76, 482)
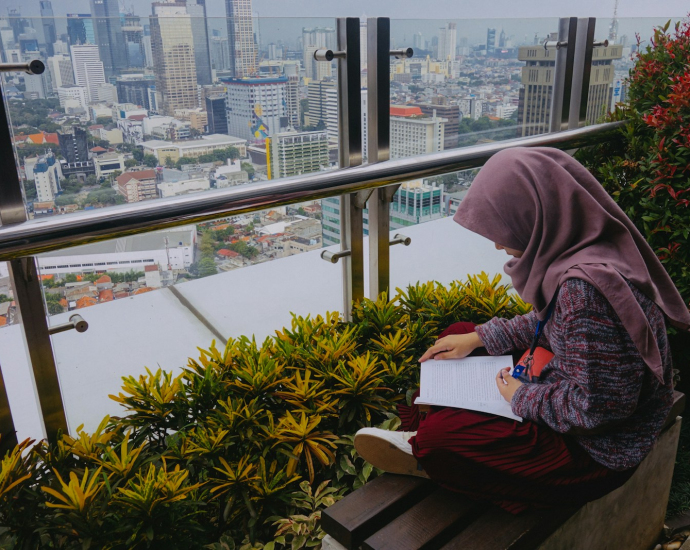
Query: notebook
point(468, 383)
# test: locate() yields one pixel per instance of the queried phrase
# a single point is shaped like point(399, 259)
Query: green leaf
point(347, 466)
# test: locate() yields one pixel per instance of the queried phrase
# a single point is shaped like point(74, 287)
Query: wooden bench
point(409, 513)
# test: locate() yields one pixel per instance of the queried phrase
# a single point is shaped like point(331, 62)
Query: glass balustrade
point(171, 112)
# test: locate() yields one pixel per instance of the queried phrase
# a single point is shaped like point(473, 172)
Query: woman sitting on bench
point(595, 410)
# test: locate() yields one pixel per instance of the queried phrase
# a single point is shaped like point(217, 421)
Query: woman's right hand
point(455, 346)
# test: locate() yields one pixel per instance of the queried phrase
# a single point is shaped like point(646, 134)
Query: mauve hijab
point(545, 203)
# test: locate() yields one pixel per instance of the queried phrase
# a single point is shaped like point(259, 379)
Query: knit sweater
point(597, 388)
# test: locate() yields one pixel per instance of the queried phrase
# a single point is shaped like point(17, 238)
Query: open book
point(468, 383)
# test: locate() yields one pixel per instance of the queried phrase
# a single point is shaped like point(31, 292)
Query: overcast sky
point(403, 9)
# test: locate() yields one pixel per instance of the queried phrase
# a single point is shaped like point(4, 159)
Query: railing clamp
point(328, 55)
point(400, 239)
point(402, 53)
point(76, 322)
point(333, 257)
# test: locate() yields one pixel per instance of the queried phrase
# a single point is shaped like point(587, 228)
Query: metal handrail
point(57, 232)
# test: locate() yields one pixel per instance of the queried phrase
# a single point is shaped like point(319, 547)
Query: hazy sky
point(403, 9)
point(521, 19)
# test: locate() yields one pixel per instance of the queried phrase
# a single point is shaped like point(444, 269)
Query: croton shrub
point(246, 445)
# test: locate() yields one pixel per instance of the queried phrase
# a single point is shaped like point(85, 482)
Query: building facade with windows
point(413, 133)
point(172, 45)
point(294, 153)
point(256, 107)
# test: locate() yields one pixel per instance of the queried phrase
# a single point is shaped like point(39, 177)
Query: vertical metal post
point(350, 154)
point(582, 68)
point(378, 150)
point(27, 287)
point(563, 77)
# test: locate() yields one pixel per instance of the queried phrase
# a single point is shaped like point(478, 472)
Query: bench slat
point(676, 410)
point(363, 512)
point(500, 530)
point(427, 524)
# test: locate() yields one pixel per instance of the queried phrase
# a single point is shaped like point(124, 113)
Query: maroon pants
point(515, 465)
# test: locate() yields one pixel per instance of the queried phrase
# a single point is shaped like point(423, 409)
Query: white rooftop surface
point(155, 329)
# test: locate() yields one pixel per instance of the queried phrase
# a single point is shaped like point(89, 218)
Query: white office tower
point(148, 53)
point(47, 177)
point(447, 42)
point(313, 39)
point(61, 72)
point(256, 107)
point(88, 69)
point(73, 99)
point(414, 134)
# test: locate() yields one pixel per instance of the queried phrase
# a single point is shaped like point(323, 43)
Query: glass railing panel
point(150, 300)
point(167, 110)
point(467, 82)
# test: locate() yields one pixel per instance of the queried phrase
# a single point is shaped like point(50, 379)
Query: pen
point(504, 380)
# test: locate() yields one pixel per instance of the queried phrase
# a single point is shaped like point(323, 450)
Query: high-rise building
point(502, 39)
point(49, 34)
point(447, 42)
point(414, 134)
point(294, 153)
point(314, 39)
point(172, 45)
point(216, 112)
point(220, 54)
point(88, 69)
point(241, 44)
point(73, 98)
point(17, 22)
point(323, 107)
point(415, 202)
point(202, 57)
point(61, 72)
point(292, 103)
point(47, 177)
point(417, 41)
point(133, 33)
point(74, 145)
point(534, 106)
point(451, 113)
point(256, 107)
point(109, 37)
point(80, 29)
point(490, 41)
point(136, 89)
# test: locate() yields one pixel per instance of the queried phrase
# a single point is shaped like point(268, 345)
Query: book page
point(468, 383)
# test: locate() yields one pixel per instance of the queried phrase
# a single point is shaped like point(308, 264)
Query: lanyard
point(520, 368)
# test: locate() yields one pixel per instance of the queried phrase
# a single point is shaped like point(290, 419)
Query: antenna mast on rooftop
point(613, 29)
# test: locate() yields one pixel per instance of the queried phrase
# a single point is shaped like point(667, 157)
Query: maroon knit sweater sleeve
point(501, 336)
point(599, 372)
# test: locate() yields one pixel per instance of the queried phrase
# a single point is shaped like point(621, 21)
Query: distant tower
point(172, 48)
point(109, 36)
point(48, 26)
point(241, 38)
point(502, 39)
point(490, 41)
point(613, 29)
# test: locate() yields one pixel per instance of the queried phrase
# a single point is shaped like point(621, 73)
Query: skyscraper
point(202, 57)
point(241, 38)
point(417, 41)
point(256, 107)
point(61, 72)
point(447, 42)
point(314, 39)
point(534, 107)
point(48, 25)
point(88, 69)
point(109, 37)
point(172, 46)
point(490, 41)
point(217, 115)
point(80, 29)
point(133, 33)
point(502, 39)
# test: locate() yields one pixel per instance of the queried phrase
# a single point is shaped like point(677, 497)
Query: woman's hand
point(455, 346)
point(507, 385)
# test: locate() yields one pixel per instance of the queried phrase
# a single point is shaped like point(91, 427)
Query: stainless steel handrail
point(46, 234)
